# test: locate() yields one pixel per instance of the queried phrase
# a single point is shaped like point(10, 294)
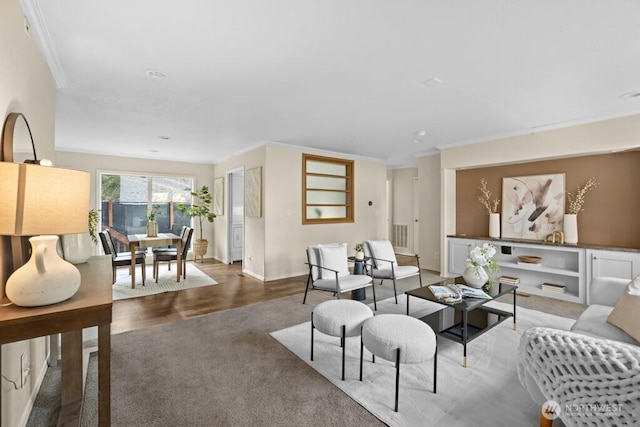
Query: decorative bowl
point(531, 259)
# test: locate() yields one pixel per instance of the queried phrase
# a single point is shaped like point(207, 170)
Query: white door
point(236, 214)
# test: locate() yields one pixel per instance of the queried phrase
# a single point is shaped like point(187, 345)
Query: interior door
point(236, 215)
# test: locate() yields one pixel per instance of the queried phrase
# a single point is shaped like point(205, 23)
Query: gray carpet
point(222, 369)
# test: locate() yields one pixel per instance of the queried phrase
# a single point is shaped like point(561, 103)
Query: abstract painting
point(532, 206)
point(253, 192)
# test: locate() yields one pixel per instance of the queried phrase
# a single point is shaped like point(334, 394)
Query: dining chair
point(382, 263)
point(329, 271)
point(122, 259)
point(172, 254)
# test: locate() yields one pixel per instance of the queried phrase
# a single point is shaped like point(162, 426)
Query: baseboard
point(252, 274)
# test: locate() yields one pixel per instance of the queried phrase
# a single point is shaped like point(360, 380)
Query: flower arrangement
point(576, 202)
point(485, 198)
point(483, 258)
point(359, 247)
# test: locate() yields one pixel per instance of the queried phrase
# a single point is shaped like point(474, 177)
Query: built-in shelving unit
point(561, 264)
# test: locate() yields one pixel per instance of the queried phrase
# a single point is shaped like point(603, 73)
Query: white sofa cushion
point(593, 322)
point(626, 314)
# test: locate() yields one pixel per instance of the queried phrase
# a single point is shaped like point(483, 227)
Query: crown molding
point(39, 30)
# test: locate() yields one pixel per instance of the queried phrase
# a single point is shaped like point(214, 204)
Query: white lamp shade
point(8, 197)
point(42, 200)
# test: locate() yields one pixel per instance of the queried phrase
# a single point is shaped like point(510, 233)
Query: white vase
point(475, 277)
point(359, 255)
point(494, 225)
point(571, 228)
point(152, 229)
point(45, 279)
point(77, 248)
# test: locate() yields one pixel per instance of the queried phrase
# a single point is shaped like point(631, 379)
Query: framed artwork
point(218, 196)
point(532, 206)
point(253, 192)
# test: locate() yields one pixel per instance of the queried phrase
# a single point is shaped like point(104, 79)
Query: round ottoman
point(339, 318)
point(400, 339)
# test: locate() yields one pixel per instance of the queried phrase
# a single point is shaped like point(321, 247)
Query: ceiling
point(362, 77)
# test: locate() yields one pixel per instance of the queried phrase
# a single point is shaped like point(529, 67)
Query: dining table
point(144, 241)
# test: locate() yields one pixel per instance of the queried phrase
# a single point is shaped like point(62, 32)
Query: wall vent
point(400, 236)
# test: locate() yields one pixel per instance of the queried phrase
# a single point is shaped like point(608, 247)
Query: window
point(126, 200)
point(327, 193)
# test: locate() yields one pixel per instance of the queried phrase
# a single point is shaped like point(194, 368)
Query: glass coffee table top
point(471, 317)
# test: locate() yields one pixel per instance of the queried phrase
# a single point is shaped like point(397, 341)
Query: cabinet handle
point(594, 257)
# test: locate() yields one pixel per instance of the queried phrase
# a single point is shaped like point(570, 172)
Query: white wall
point(253, 262)
point(202, 173)
point(402, 182)
point(286, 238)
point(429, 200)
point(26, 86)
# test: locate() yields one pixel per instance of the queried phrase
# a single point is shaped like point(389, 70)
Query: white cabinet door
point(458, 252)
point(625, 265)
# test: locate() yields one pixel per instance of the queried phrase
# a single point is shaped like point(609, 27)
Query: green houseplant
point(200, 209)
point(94, 219)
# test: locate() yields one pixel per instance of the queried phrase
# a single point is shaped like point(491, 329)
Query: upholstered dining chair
point(329, 271)
point(170, 247)
point(172, 254)
point(121, 259)
point(382, 263)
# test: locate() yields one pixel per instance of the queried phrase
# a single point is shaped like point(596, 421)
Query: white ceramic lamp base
point(45, 279)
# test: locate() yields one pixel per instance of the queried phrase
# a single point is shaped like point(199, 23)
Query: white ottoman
point(400, 339)
point(339, 318)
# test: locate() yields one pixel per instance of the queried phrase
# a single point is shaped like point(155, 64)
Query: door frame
point(229, 221)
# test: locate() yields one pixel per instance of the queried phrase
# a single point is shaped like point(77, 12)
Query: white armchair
point(382, 263)
point(329, 271)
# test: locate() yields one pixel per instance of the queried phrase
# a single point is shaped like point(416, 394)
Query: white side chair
point(382, 263)
point(329, 271)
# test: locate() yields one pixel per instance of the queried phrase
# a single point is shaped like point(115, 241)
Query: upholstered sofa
point(604, 293)
point(589, 376)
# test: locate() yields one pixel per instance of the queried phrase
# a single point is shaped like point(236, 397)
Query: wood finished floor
point(234, 289)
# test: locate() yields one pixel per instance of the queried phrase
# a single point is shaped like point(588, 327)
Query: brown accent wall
point(611, 215)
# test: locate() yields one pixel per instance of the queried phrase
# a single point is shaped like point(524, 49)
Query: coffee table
point(471, 317)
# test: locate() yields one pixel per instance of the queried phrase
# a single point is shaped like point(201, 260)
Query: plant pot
point(360, 255)
point(200, 248)
point(77, 248)
point(475, 277)
point(152, 229)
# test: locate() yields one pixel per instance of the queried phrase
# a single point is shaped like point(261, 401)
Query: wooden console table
point(90, 306)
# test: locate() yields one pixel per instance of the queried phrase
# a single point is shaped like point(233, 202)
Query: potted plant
point(359, 251)
point(94, 219)
point(200, 209)
point(152, 224)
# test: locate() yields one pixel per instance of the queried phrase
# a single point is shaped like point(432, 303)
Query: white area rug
point(486, 393)
point(166, 281)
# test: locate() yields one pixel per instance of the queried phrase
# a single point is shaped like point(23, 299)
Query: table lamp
point(43, 202)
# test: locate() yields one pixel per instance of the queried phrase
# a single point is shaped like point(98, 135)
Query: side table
point(90, 306)
point(358, 268)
